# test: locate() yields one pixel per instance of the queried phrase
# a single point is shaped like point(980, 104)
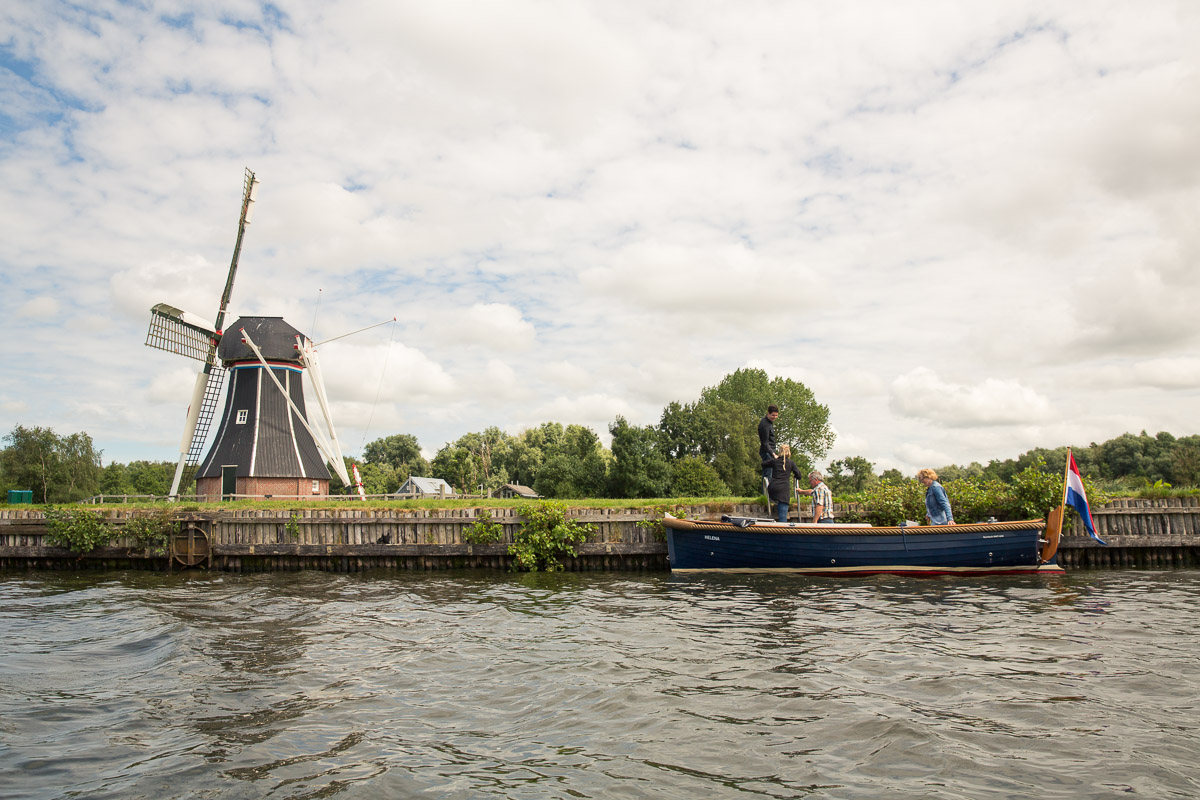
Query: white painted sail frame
point(327, 448)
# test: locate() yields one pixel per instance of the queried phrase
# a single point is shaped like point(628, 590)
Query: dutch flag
point(1077, 497)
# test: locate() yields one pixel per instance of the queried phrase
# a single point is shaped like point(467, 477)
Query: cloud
point(387, 372)
point(1142, 307)
point(578, 210)
point(920, 394)
point(500, 382)
point(593, 410)
point(12, 407)
point(42, 307)
point(568, 375)
point(847, 445)
point(189, 282)
point(173, 386)
point(1168, 373)
point(920, 455)
point(495, 326)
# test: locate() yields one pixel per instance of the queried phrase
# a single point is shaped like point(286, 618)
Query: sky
point(969, 228)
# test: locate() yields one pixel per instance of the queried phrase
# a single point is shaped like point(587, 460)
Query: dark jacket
point(779, 490)
point(766, 439)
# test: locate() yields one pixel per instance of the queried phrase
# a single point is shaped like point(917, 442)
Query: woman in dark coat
point(779, 490)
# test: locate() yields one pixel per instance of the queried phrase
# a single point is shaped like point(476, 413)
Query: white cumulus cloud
point(923, 395)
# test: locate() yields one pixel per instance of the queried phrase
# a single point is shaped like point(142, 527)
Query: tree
point(113, 480)
point(56, 468)
point(851, 475)
point(678, 431)
point(692, 476)
point(639, 467)
point(488, 452)
point(717, 432)
point(454, 465)
point(730, 445)
point(402, 452)
point(1140, 456)
point(574, 466)
point(475, 461)
point(803, 422)
point(379, 478)
point(955, 472)
point(1185, 462)
point(525, 454)
point(150, 477)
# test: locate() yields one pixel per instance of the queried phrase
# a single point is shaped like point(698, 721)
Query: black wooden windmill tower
point(264, 444)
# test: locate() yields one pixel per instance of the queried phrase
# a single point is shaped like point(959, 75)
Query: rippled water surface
point(598, 685)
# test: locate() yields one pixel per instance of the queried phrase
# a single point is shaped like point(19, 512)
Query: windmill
point(265, 457)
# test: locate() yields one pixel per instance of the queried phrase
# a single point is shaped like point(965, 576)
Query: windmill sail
point(178, 331)
point(186, 334)
point(329, 449)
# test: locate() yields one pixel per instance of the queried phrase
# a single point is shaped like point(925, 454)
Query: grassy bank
point(716, 503)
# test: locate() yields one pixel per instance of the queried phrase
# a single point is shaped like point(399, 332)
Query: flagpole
point(1054, 522)
point(1066, 471)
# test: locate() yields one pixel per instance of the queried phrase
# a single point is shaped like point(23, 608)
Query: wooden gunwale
point(771, 527)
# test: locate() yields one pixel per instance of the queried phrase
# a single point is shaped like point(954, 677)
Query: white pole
point(324, 446)
point(308, 355)
point(189, 429)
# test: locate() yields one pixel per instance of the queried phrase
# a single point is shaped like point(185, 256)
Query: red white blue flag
point(1077, 497)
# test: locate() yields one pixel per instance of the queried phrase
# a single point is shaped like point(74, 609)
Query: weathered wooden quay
point(1141, 534)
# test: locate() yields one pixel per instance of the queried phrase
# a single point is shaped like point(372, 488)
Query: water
point(598, 686)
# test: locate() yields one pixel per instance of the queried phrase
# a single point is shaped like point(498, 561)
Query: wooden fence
point(1140, 534)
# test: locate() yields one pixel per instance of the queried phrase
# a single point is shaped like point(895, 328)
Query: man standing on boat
point(822, 498)
point(766, 444)
point(937, 504)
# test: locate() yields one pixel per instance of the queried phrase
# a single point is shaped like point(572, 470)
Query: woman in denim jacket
point(937, 504)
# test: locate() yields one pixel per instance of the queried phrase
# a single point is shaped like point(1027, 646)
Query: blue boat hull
point(1002, 548)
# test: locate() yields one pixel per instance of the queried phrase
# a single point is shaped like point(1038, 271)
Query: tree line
point(705, 448)
point(1127, 463)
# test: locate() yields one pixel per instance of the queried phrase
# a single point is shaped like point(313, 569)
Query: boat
point(746, 544)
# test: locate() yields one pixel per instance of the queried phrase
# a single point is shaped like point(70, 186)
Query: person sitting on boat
point(937, 504)
point(779, 490)
point(822, 498)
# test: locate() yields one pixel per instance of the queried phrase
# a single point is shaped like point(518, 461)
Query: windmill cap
point(274, 337)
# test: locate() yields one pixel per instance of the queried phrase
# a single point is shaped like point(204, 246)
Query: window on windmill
point(243, 413)
point(316, 487)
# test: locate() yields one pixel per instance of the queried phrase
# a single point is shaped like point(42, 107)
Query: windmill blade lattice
point(208, 410)
point(169, 331)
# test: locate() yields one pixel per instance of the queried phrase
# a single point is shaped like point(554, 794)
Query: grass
point(719, 503)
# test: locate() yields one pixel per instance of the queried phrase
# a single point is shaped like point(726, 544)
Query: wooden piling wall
point(349, 540)
point(1141, 534)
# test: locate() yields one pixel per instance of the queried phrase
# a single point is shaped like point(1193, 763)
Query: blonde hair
point(926, 473)
point(785, 451)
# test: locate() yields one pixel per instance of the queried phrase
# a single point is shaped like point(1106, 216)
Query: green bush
point(545, 536)
point(655, 524)
point(890, 503)
point(484, 530)
point(151, 532)
point(1031, 494)
point(76, 529)
point(1035, 492)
